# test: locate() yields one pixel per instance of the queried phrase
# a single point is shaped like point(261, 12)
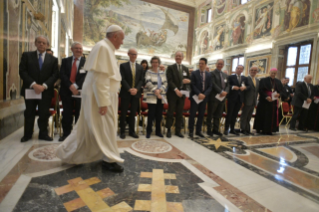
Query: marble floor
point(245, 173)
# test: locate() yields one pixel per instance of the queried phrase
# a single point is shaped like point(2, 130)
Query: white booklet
point(306, 105)
point(164, 100)
point(219, 97)
point(195, 97)
point(78, 95)
point(30, 94)
point(184, 92)
point(273, 96)
point(316, 101)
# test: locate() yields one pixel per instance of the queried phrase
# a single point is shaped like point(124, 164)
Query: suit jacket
point(233, 81)
point(301, 94)
point(174, 80)
point(217, 87)
point(65, 73)
point(197, 84)
point(251, 93)
point(30, 72)
point(127, 77)
point(288, 91)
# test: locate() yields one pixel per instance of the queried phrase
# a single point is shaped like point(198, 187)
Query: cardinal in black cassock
point(267, 119)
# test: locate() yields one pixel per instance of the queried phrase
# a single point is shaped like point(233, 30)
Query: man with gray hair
point(94, 136)
point(304, 94)
point(132, 81)
point(178, 78)
point(72, 77)
point(38, 71)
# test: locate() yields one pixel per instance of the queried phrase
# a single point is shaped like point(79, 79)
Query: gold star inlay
point(218, 143)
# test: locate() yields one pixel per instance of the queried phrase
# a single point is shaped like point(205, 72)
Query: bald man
point(304, 93)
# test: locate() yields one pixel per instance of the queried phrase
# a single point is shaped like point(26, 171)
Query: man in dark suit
point(72, 77)
point(201, 84)
point(39, 71)
point(215, 106)
point(250, 100)
point(287, 90)
point(304, 93)
point(237, 84)
point(132, 81)
point(177, 78)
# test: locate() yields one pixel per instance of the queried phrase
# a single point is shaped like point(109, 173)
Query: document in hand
point(273, 96)
point(306, 105)
point(220, 98)
point(164, 100)
point(78, 95)
point(195, 97)
point(184, 92)
point(30, 94)
point(316, 100)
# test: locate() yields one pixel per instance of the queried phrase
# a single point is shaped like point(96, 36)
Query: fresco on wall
point(149, 28)
point(297, 14)
point(218, 41)
point(220, 6)
point(203, 43)
point(263, 21)
point(238, 30)
point(315, 15)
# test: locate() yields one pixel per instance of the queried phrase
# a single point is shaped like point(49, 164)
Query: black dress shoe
point(191, 135)
point(217, 133)
point(200, 134)
point(245, 133)
point(63, 137)
point(268, 133)
point(114, 167)
point(24, 139)
point(122, 135)
point(293, 129)
point(234, 132)
point(160, 135)
point(45, 138)
point(168, 134)
point(179, 134)
point(148, 135)
point(134, 135)
point(210, 133)
point(226, 133)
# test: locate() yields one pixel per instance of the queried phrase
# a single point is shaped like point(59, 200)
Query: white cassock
point(94, 137)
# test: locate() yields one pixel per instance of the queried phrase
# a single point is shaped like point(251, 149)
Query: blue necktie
point(40, 61)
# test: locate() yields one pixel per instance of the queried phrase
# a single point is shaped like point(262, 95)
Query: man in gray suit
point(249, 100)
point(215, 106)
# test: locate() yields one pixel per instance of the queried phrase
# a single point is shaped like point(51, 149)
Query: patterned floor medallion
point(45, 153)
point(151, 146)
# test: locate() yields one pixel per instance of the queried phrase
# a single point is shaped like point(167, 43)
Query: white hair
point(130, 49)
point(221, 60)
point(179, 52)
point(75, 43)
point(42, 36)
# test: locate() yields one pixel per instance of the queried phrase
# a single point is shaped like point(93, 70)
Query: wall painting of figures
point(150, 28)
point(297, 14)
point(263, 20)
point(218, 41)
point(238, 30)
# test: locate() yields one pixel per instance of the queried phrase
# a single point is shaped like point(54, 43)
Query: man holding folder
point(39, 71)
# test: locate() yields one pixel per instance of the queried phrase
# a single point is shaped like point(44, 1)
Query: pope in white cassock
point(94, 136)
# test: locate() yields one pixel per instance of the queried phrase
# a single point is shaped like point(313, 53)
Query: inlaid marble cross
point(158, 191)
point(88, 197)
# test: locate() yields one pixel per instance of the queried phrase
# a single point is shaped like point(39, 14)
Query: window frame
point(231, 67)
point(297, 65)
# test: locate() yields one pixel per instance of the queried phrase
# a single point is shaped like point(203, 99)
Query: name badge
point(82, 71)
point(184, 73)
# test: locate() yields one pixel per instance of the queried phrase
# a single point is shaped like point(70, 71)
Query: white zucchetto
point(113, 28)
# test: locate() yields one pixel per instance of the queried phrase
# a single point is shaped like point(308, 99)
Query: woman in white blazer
point(155, 95)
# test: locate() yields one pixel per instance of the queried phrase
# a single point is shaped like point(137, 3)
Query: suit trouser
point(215, 112)
point(125, 102)
point(155, 111)
point(69, 104)
point(43, 112)
point(245, 117)
point(175, 104)
point(201, 111)
point(302, 118)
point(233, 108)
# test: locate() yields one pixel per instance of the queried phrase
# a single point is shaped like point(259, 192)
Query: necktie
point(222, 80)
point(309, 91)
point(254, 81)
point(133, 75)
point(40, 61)
point(203, 80)
point(73, 71)
point(180, 73)
point(239, 80)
